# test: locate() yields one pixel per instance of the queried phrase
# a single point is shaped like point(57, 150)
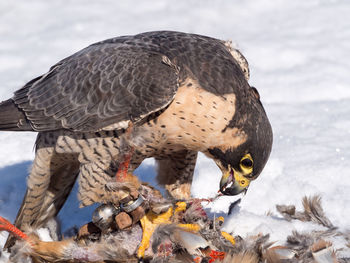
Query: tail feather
point(12, 118)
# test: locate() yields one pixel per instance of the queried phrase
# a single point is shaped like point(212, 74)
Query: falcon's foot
point(149, 224)
point(152, 220)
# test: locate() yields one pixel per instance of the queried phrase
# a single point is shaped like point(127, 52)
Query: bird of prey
point(163, 94)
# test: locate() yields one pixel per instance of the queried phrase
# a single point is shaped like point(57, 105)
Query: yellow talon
point(149, 223)
point(151, 220)
point(228, 237)
point(190, 227)
point(220, 219)
point(180, 206)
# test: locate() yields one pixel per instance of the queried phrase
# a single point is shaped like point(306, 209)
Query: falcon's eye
point(247, 161)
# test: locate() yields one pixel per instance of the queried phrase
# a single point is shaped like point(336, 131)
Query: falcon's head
point(243, 162)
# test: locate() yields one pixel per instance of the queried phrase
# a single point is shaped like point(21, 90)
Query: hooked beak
point(233, 182)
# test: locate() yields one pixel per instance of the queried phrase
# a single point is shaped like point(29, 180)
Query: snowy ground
point(299, 55)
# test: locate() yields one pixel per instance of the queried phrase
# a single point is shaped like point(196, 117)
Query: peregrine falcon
point(180, 93)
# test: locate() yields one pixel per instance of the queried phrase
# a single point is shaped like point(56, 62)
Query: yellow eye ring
point(247, 161)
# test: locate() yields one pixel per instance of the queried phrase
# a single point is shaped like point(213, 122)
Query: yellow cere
point(243, 182)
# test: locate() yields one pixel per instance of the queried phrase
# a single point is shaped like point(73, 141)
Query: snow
point(299, 57)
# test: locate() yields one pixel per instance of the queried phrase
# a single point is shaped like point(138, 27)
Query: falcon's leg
point(176, 173)
point(96, 174)
point(49, 183)
point(93, 178)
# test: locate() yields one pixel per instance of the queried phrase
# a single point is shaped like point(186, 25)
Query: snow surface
point(299, 56)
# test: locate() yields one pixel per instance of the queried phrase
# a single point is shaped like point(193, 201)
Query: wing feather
point(98, 86)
